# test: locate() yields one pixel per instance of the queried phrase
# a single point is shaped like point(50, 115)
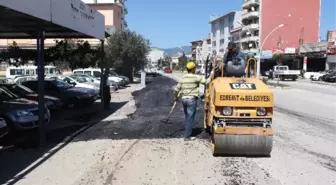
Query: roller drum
point(242, 145)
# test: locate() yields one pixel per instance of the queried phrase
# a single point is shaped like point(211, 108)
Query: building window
point(221, 42)
point(230, 28)
point(231, 19)
point(214, 44)
point(3, 66)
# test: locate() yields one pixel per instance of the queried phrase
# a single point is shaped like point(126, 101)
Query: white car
point(21, 79)
point(96, 73)
point(79, 82)
point(318, 76)
point(113, 85)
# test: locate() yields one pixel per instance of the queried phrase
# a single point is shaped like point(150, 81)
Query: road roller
point(238, 109)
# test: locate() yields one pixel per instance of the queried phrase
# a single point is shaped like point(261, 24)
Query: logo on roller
point(243, 86)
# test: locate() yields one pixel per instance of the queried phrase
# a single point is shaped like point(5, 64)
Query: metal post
point(260, 37)
point(102, 77)
point(41, 103)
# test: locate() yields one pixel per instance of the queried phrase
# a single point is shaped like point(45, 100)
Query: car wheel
point(319, 79)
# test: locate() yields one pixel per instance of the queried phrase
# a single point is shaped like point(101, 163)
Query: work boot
point(189, 138)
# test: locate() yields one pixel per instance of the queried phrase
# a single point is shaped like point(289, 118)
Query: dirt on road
point(140, 150)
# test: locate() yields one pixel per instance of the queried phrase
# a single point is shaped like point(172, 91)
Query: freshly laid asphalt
point(142, 150)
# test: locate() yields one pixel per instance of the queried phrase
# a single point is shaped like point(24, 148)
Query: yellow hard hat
point(191, 65)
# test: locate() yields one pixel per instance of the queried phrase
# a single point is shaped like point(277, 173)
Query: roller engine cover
point(235, 67)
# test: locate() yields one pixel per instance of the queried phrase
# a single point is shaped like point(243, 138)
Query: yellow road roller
point(238, 110)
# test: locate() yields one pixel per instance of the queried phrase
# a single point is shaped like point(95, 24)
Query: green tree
point(182, 62)
point(17, 56)
point(126, 51)
point(278, 58)
point(72, 54)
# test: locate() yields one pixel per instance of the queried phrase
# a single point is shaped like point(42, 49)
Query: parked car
point(3, 128)
point(96, 73)
point(167, 70)
point(52, 103)
point(126, 79)
point(113, 86)
point(331, 77)
point(151, 72)
point(6, 81)
point(70, 96)
point(20, 114)
point(20, 79)
point(319, 76)
point(78, 81)
point(283, 72)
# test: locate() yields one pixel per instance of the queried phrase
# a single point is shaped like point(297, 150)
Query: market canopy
point(58, 19)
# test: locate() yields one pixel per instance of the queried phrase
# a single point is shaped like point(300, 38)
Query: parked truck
point(283, 72)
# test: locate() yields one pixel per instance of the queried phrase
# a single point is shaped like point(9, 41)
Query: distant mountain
point(173, 51)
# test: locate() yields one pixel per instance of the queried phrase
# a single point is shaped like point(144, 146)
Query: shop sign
point(278, 51)
point(314, 47)
point(267, 54)
point(290, 50)
point(332, 50)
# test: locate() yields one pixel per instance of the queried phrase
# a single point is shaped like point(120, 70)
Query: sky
point(173, 23)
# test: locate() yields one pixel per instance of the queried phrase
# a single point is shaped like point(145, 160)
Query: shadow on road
point(26, 156)
point(153, 104)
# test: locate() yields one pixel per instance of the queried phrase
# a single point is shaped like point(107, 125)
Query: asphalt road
point(142, 150)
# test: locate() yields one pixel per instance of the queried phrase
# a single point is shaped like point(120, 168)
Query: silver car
point(20, 113)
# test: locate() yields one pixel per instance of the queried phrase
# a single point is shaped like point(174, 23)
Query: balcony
point(251, 27)
point(249, 3)
point(249, 15)
point(250, 39)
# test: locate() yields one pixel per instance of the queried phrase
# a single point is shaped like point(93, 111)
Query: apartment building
point(113, 10)
point(331, 36)
point(200, 49)
point(280, 24)
point(221, 27)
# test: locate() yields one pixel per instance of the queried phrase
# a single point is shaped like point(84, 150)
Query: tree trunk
point(106, 90)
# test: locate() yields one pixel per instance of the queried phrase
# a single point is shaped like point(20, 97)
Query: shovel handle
point(171, 110)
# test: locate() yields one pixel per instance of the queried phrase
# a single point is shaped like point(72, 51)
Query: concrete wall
point(300, 18)
point(112, 12)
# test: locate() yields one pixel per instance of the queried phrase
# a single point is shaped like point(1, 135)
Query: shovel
point(166, 121)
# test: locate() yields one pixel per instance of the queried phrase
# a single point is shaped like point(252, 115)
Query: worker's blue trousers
point(190, 107)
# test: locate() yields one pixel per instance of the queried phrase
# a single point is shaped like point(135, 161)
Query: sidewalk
point(53, 164)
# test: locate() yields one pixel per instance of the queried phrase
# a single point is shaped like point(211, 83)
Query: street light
point(181, 49)
point(260, 48)
point(257, 45)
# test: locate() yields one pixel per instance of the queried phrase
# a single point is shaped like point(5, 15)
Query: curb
point(275, 87)
point(323, 83)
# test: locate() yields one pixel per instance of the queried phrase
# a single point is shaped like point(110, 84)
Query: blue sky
point(172, 23)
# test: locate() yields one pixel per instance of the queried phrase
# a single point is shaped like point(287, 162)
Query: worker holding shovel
point(188, 90)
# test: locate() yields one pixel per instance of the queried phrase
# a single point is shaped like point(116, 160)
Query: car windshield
point(61, 84)
point(24, 89)
point(6, 95)
point(113, 73)
point(87, 77)
point(19, 89)
point(79, 79)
